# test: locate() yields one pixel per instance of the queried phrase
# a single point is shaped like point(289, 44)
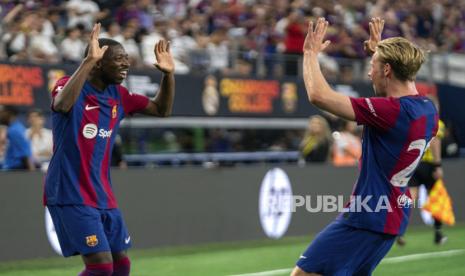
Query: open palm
point(376, 28)
point(164, 60)
point(95, 51)
point(314, 39)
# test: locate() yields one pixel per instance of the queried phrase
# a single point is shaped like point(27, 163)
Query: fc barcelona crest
point(92, 240)
point(114, 111)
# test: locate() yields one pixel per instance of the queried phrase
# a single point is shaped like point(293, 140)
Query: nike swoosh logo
point(303, 257)
point(127, 240)
point(88, 107)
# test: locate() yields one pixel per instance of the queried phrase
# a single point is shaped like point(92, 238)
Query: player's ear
point(98, 64)
point(387, 69)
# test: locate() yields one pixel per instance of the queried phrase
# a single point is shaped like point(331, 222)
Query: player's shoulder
point(382, 101)
point(121, 89)
point(415, 100)
point(63, 79)
point(419, 103)
point(60, 83)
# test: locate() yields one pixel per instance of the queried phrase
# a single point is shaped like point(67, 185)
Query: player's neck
point(399, 89)
point(97, 83)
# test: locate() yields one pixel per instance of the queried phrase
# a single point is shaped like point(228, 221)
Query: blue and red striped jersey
point(83, 138)
point(396, 133)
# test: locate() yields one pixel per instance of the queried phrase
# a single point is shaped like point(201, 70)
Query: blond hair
point(404, 57)
point(326, 132)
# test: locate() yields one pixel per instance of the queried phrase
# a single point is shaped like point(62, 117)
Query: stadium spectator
point(317, 140)
point(84, 12)
point(113, 32)
point(2, 141)
point(294, 40)
point(219, 141)
point(18, 149)
point(72, 47)
point(41, 138)
point(218, 51)
point(347, 147)
point(147, 13)
point(149, 39)
point(183, 45)
point(267, 30)
point(128, 11)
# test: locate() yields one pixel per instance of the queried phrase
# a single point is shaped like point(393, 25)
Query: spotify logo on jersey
point(90, 131)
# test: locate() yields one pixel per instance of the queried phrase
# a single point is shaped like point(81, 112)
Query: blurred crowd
point(326, 139)
point(264, 37)
point(241, 37)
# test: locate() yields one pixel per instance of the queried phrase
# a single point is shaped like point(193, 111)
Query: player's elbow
point(165, 114)
point(60, 106)
point(315, 98)
point(162, 112)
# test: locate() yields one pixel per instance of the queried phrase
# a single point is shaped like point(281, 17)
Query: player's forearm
point(321, 94)
point(315, 82)
point(165, 96)
point(66, 98)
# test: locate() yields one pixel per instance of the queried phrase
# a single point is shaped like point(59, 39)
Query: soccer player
point(398, 126)
point(87, 109)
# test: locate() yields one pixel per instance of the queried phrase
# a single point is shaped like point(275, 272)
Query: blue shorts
point(341, 249)
point(84, 230)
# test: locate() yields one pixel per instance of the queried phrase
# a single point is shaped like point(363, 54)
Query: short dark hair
point(104, 42)
point(36, 110)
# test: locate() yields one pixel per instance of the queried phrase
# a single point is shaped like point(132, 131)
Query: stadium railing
point(211, 159)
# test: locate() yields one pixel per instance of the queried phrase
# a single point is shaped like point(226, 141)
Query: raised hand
point(95, 52)
point(376, 28)
point(164, 60)
point(314, 39)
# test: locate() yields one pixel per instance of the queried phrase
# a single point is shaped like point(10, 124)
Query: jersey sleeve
point(132, 102)
point(57, 88)
point(377, 112)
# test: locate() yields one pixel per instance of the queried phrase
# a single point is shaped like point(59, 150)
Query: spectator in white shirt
point(113, 32)
point(72, 47)
point(131, 46)
point(218, 51)
point(42, 48)
point(41, 138)
point(82, 12)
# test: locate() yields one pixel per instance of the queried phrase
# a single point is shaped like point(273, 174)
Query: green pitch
point(275, 257)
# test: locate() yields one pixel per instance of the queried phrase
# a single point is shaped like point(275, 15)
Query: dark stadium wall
point(172, 206)
point(452, 101)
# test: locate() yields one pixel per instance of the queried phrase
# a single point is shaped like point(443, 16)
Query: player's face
point(115, 65)
point(376, 75)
